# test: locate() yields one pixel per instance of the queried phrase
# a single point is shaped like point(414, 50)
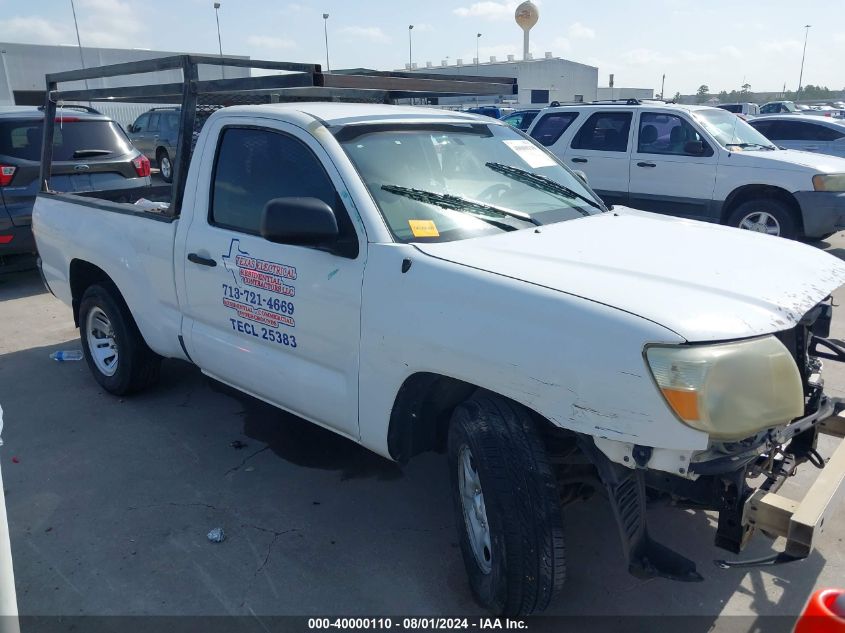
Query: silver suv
point(155, 134)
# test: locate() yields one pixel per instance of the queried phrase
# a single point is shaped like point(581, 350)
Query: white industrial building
point(25, 65)
point(540, 81)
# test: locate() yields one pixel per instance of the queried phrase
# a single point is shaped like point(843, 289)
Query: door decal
point(252, 295)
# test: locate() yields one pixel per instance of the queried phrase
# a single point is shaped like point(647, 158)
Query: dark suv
point(91, 153)
point(156, 133)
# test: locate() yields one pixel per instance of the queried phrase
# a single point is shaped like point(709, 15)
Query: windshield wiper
point(83, 153)
point(744, 145)
point(458, 203)
point(544, 184)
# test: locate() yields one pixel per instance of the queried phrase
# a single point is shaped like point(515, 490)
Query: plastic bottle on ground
point(61, 356)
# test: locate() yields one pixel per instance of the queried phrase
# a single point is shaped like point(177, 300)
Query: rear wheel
point(507, 506)
point(113, 347)
point(165, 166)
point(765, 215)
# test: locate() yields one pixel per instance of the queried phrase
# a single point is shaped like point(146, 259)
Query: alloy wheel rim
point(165, 167)
point(474, 510)
point(101, 341)
point(760, 222)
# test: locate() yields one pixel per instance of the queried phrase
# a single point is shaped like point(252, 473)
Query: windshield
point(730, 131)
point(445, 182)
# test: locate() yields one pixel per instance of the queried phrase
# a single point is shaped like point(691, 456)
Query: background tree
point(702, 92)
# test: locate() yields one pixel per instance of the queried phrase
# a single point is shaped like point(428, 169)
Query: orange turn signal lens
point(684, 402)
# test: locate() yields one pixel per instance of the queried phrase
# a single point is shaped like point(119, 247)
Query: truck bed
point(133, 247)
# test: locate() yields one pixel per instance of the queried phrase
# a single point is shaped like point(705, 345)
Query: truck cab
point(423, 280)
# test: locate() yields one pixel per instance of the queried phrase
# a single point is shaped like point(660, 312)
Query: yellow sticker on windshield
point(423, 228)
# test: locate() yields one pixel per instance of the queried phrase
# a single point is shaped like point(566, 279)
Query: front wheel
point(765, 215)
point(113, 347)
point(507, 506)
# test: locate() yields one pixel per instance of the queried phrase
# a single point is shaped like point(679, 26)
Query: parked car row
point(697, 162)
point(90, 153)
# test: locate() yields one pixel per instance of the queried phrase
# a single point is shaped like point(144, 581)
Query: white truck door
point(601, 148)
point(668, 174)
point(279, 321)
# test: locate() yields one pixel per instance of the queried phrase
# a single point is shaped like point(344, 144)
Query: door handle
point(644, 164)
point(579, 160)
point(202, 261)
point(812, 148)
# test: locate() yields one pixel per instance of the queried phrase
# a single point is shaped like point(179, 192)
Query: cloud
point(109, 23)
point(34, 30)
point(370, 33)
point(487, 10)
point(731, 51)
point(696, 58)
point(644, 56)
point(781, 46)
point(423, 28)
point(268, 41)
point(580, 32)
point(561, 45)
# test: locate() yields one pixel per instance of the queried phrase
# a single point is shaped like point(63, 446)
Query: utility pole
point(219, 41)
point(803, 54)
point(663, 87)
point(326, 35)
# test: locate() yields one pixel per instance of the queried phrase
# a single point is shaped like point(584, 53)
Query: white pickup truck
point(418, 279)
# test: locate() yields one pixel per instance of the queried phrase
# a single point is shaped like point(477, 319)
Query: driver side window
point(665, 134)
point(141, 123)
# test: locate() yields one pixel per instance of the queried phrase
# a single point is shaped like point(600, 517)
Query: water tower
point(526, 17)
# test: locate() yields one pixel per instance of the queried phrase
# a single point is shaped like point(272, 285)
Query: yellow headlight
point(829, 182)
point(729, 390)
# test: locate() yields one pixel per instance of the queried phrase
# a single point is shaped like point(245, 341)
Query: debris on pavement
point(16, 460)
point(63, 355)
point(237, 445)
point(216, 535)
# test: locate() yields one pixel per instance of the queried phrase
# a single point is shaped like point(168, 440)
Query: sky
point(719, 43)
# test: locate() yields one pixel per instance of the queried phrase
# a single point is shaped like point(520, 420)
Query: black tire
point(137, 366)
point(166, 172)
point(780, 211)
point(526, 562)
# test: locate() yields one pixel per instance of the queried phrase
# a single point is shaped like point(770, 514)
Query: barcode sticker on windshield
point(531, 154)
point(424, 228)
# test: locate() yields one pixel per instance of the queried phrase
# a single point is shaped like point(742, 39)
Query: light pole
point(410, 48)
point(801, 76)
point(326, 35)
point(663, 87)
point(477, 58)
point(78, 41)
point(219, 41)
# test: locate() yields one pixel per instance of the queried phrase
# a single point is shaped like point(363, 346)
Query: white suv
point(697, 162)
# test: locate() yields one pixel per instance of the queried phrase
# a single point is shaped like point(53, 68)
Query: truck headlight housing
point(829, 182)
point(729, 390)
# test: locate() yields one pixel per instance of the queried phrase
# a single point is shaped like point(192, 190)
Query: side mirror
point(303, 221)
point(694, 148)
point(581, 175)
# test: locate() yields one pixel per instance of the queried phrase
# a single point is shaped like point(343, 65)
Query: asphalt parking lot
point(109, 502)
